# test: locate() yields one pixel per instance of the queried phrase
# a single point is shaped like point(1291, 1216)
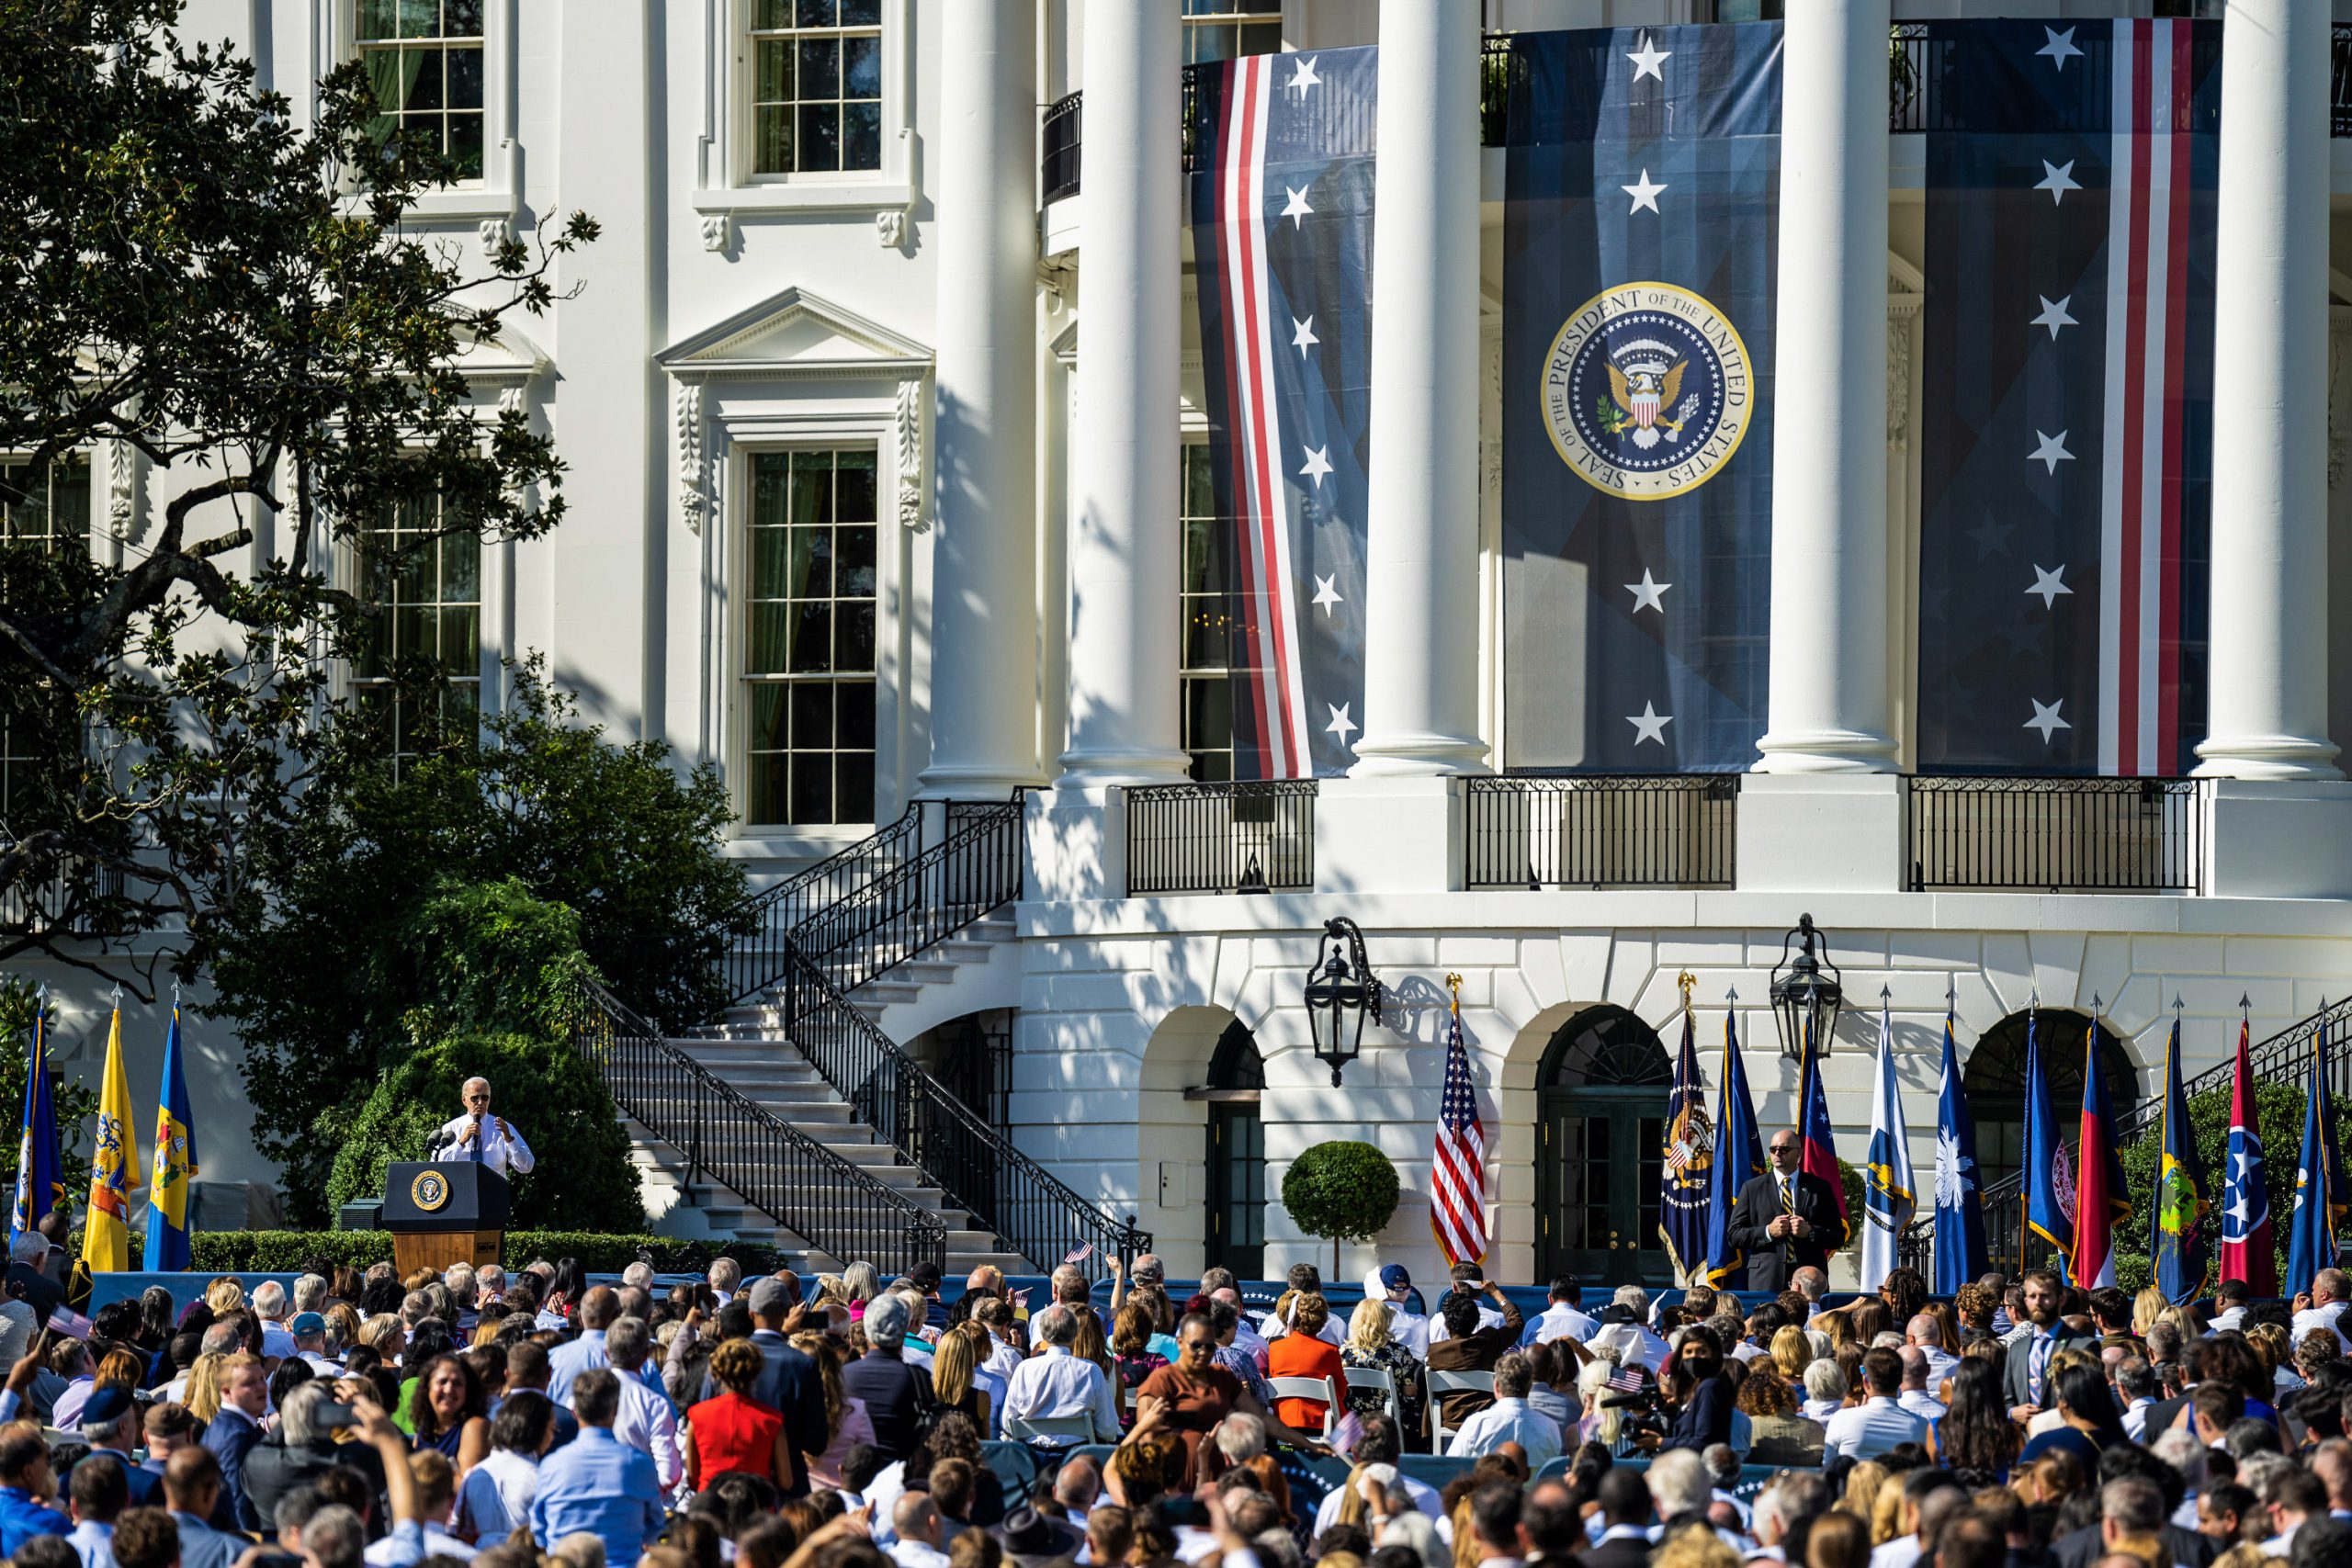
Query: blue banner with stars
point(2065, 465)
point(1639, 258)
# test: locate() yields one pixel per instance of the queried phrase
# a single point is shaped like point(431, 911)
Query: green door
point(1236, 1238)
point(1600, 1151)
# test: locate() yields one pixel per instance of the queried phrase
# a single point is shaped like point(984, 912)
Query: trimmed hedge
point(280, 1252)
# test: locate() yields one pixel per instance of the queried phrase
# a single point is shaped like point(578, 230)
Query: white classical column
point(2266, 714)
point(984, 621)
point(1124, 546)
point(1420, 674)
point(1829, 706)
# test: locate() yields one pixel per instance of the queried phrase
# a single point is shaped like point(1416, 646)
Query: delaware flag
point(39, 1182)
point(2246, 1251)
point(1889, 1192)
point(167, 1200)
point(2320, 1191)
point(1959, 1211)
point(1687, 1163)
point(2102, 1202)
point(2047, 1215)
point(106, 1229)
point(1815, 1134)
point(2176, 1238)
point(1739, 1155)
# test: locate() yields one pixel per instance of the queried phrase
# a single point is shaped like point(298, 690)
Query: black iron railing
point(2339, 80)
point(70, 900)
point(829, 1202)
point(2285, 1056)
point(1221, 838)
point(920, 902)
point(756, 960)
point(2054, 834)
point(974, 1163)
point(1057, 138)
point(1601, 830)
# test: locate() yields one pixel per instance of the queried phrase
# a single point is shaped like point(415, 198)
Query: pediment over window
point(510, 358)
point(795, 333)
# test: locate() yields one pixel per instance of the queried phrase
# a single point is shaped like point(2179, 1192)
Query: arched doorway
point(1993, 1078)
point(1600, 1092)
point(1236, 1156)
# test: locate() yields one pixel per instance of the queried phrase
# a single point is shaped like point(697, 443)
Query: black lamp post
point(1341, 993)
point(1803, 996)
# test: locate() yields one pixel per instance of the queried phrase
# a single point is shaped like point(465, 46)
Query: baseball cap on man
point(770, 1297)
point(1394, 1277)
point(306, 1323)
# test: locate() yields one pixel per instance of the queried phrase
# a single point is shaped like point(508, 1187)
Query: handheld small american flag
point(1458, 1176)
point(1627, 1380)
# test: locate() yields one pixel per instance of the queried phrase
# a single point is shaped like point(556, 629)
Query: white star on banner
point(2049, 584)
point(2051, 453)
point(1302, 336)
point(1643, 194)
point(1649, 724)
point(1648, 58)
point(2045, 718)
point(1340, 723)
point(1298, 211)
point(1327, 592)
point(1319, 463)
point(2057, 179)
point(1302, 75)
point(2060, 49)
point(2055, 316)
point(1646, 591)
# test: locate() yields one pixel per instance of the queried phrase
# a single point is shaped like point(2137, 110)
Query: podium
point(443, 1212)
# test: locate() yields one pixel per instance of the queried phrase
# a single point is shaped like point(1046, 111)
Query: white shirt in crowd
point(497, 1494)
point(1868, 1431)
point(2329, 1317)
point(1561, 1320)
point(1488, 1318)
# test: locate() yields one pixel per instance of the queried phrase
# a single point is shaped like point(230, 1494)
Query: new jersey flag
point(2101, 1201)
point(1739, 1155)
point(2177, 1237)
point(1889, 1192)
point(114, 1164)
point(1687, 1163)
point(2048, 1213)
point(2321, 1195)
point(39, 1180)
point(2247, 1252)
point(168, 1210)
point(1959, 1209)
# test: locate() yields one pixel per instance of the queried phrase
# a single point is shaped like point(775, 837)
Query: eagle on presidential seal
point(1644, 380)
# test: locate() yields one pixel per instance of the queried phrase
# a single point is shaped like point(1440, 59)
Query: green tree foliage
point(1341, 1190)
point(229, 292)
point(321, 977)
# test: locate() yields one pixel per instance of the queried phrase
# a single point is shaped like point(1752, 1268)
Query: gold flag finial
point(1686, 982)
point(1454, 983)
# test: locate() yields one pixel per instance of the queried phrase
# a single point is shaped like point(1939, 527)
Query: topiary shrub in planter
point(1342, 1189)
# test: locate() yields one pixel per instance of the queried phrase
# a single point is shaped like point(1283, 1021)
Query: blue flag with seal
point(2049, 1213)
point(1961, 1256)
point(1688, 1161)
point(2320, 1192)
point(41, 1175)
point(1639, 237)
point(2176, 1239)
point(171, 1217)
point(1739, 1155)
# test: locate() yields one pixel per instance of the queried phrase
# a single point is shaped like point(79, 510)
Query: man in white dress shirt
point(1052, 1384)
point(2229, 1307)
point(480, 1138)
point(1394, 1284)
point(1918, 1393)
point(1926, 1333)
point(1470, 1280)
point(1560, 1320)
point(646, 1420)
point(1509, 1420)
point(2323, 1306)
point(1869, 1429)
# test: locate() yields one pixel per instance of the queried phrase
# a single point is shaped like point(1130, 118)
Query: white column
point(984, 622)
point(1421, 557)
point(2267, 717)
point(1828, 707)
point(1123, 548)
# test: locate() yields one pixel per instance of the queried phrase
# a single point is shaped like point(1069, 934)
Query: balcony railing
point(1601, 830)
point(2055, 835)
point(67, 902)
point(1221, 838)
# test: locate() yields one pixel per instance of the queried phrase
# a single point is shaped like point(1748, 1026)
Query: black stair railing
point(974, 1163)
point(2283, 1058)
point(921, 901)
point(802, 1186)
point(755, 961)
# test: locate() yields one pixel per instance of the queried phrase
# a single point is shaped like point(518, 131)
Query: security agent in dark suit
point(2025, 1376)
point(1625, 1515)
point(1785, 1219)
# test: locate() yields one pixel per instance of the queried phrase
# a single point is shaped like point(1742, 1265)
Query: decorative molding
point(1898, 382)
point(890, 228)
point(913, 404)
point(690, 496)
point(722, 179)
point(124, 462)
point(495, 233)
point(799, 335)
point(717, 231)
point(510, 399)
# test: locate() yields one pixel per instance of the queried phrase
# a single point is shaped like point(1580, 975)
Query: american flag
point(1628, 1380)
point(1458, 1204)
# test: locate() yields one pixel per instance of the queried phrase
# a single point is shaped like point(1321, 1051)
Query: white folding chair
point(1451, 1382)
point(1312, 1388)
point(1374, 1377)
point(1076, 1429)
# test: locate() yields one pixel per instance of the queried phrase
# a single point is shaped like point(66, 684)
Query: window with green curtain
point(815, 86)
point(424, 61)
point(426, 586)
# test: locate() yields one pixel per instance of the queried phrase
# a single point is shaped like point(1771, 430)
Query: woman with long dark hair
point(450, 1413)
point(1976, 1434)
point(2090, 1425)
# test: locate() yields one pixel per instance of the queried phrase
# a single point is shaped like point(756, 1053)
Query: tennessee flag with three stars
point(105, 1232)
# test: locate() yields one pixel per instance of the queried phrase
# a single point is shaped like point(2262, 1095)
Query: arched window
point(1602, 1091)
point(1237, 1157)
point(1992, 1078)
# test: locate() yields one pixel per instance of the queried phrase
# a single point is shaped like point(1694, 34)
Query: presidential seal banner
point(1639, 244)
point(1686, 1166)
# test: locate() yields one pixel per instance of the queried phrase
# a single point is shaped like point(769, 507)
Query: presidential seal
point(430, 1191)
point(1647, 391)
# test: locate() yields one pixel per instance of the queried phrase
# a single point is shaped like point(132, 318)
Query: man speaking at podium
point(480, 1138)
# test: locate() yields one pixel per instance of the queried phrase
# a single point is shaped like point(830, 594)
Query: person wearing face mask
point(1187, 1400)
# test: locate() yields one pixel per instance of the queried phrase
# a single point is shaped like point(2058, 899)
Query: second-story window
point(1209, 613)
point(815, 86)
point(426, 587)
point(41, 511)
point(1227, 29)
point(425, 61)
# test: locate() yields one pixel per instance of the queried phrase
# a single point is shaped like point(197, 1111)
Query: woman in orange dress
point(1302, 1352)
point(1187, 1401)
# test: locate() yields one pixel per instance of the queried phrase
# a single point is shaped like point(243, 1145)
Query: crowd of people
point(537, 1420)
